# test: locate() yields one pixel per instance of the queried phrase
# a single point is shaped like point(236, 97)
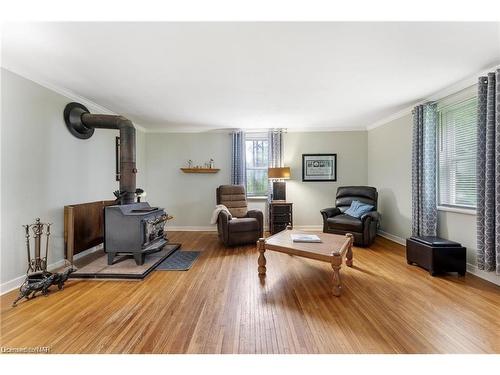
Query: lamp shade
point(282, 172)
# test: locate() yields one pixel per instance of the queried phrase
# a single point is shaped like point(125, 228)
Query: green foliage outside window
point(257, 161)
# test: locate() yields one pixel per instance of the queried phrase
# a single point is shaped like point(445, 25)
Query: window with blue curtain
point(257, 162)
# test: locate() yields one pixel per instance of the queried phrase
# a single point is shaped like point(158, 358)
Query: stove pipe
point(81, 123)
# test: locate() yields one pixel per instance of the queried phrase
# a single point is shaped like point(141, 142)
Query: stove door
point(153, 229)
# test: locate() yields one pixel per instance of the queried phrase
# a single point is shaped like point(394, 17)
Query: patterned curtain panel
point(275, 148)
point(238, 170)
point(488, 173)
point(275, 141)
point(424, 211)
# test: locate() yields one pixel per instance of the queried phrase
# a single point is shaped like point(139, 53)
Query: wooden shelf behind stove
point(200, 170)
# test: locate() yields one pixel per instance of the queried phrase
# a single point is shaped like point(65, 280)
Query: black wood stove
point(136, 229)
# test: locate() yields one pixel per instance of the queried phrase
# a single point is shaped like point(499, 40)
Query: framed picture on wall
point(319, 167)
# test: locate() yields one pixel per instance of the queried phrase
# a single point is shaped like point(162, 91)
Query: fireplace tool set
point(38, 279)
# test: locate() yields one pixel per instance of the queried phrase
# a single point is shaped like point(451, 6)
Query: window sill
point(457, 210)
point(263, 198)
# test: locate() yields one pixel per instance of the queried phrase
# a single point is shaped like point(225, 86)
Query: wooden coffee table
point(332, 249)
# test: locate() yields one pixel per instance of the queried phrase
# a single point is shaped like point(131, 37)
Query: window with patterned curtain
point(257, 162)
point(457, 138)
point(262, 150)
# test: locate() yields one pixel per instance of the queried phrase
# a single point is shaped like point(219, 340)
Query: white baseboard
point(12, 284)
point(306, 228)
point(392, 237)
point(17, 282)
point(214, 228)
point(187, 228)
point(492, 277)
point(471, 268)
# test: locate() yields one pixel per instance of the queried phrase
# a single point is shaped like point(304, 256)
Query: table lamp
point(279, 187)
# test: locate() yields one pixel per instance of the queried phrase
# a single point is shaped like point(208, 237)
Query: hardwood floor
point(219, 306)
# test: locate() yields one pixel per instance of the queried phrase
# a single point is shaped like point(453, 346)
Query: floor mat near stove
point(179, 261)
point(95, 266)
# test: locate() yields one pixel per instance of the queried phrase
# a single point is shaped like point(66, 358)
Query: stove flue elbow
point(81, 123)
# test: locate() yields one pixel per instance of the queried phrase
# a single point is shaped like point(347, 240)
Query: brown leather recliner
point(364, 229)
point(242, 226)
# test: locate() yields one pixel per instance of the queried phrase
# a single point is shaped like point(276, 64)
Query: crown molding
point(69, 94)
point(225, 130)
point(188, 130)
point(390, 118)
point(326, 129)
point(438, 95)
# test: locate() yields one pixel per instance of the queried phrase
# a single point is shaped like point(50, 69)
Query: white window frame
point(255, 136)
point(453, 100)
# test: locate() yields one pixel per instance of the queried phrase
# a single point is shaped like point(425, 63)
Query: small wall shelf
point(200, 170)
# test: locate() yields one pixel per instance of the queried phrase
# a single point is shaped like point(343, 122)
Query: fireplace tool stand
point(38, 279)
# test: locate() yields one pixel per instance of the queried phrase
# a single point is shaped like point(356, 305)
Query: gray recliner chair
point(242, 226)
point(364, 229)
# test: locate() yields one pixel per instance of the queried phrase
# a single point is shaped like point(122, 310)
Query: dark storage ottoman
point(436, 255)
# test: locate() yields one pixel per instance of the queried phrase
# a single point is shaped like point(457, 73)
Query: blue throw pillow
point(358, 209)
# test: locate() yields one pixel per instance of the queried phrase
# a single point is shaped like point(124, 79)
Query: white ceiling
point(204, 76)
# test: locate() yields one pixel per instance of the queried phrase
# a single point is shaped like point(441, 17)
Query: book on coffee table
point(305, 238)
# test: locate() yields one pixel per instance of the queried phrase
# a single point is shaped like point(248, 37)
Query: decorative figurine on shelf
point(211, 164)
point(38, 279)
